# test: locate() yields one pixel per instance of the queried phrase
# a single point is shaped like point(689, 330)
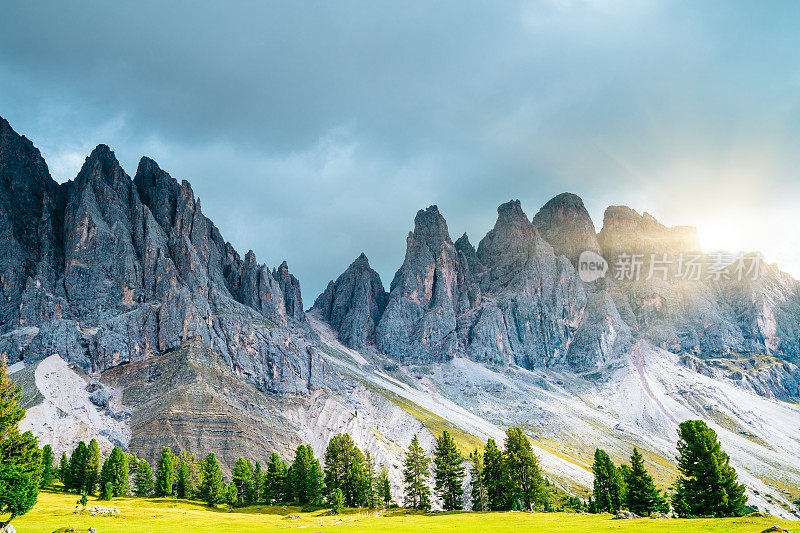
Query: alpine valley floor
point(55, 512)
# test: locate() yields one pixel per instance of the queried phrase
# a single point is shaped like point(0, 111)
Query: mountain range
point(127, 317)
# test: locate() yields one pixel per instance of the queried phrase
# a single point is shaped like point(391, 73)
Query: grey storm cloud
point(313, 131)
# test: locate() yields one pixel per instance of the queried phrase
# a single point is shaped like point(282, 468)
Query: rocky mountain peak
point(512, 234)
point(565, 223)
point(430, 228)
point(353, 303)
point(626, 231)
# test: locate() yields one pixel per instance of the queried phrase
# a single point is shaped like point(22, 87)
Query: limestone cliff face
point(518, 300)
point(720, 310)
point(419, 322)
point(565, 223)
point(106, 270)
point(511, 301)
point(353, 303)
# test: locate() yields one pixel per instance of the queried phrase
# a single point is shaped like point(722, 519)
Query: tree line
point(707, 485)
point(500, 479)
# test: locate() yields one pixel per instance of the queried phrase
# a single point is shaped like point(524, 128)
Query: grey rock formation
point(517, 298)
point(511, 301)
point(354, 303)
point(419, 323)
point(106, 271)
point(565, 223)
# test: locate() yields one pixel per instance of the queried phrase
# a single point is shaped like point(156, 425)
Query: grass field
point(55, 511)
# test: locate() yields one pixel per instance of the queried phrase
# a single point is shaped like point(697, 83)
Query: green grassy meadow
point(55, 511)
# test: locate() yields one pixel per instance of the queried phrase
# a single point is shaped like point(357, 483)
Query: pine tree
point(258, 482)
point(47, 467)
point(91, 471)
point(495, 478)
point(190, 483)
point(63, 466)
point(212, 490)
point(20, 457)
point(708, 484)
point(642, 496)
point(77, 468)
point(115, 471)
point(608, 483)
point(285, 483)
point(315, 485)
point(448, 472)
point(184, 483)
point(232, 494)
point(344, 468)
point(415, 475)
point(370, 481)
point(243, 479)
point(299, 474)
point(478, 487)
point(105, 494)
point(384, 487)
point(144, 478)
point(271, 484)
point(164, 474)
point(522, 466)
point(337, 501)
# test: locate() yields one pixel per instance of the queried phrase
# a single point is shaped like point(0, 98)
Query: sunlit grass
point(55, 511)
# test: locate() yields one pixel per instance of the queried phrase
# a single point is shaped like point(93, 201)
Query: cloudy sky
point(313, 131)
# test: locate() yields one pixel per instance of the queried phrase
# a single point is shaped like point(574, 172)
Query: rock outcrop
point(106, 270)
point(353, 303)
point(518, 300)
point(511, 301)
point(565, 223)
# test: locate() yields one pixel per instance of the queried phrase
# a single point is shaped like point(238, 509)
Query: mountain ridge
point(135, 288)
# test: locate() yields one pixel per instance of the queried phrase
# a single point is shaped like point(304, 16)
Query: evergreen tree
point(337, 501)
point(20, 456)
point(144, 478)
point(608, 483)
point(299, 474)
point(370, 481)
point(212, 490)
point(284, 488)
point(183, 485)
point(642, 496)
point(415, 475)
point(708, 484)
point(164, 474)
point(106, 494)
point(115, 471)
point(315, 486)
point(258, 482)
point(77, 468)
point(448, 472)
point(272, 482)
point(495, 478)
point(384, 487)
point(47, 467)
point(522, 468)
point(191, 481)
point(480, 501)
point(344, 469)
point(232, 494)
point(63, 466)
point(243, 479)
point(91, 471)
